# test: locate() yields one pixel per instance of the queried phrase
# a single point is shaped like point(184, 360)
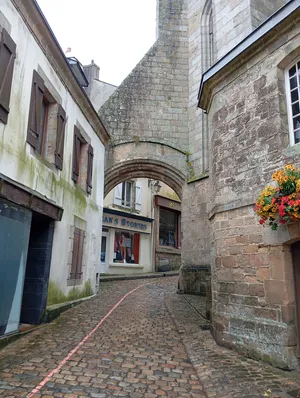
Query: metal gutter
point(274, 20)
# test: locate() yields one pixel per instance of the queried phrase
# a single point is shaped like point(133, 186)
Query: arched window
point(207, 36)
point(211, 37)
point(207, 60)
point(293, 101)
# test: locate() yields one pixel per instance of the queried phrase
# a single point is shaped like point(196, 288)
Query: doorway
point(37, 269)
point(296, 262)
point(104, 260)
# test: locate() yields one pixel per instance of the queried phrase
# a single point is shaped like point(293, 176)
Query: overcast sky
point(115, 33)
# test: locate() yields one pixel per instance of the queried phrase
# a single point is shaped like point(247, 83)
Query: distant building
point(141, 230)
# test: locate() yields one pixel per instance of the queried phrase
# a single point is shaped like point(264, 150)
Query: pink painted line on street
point(63, 362)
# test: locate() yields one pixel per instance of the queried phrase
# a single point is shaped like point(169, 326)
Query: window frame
point(124, 190)
point(135, 251)
point(41, 134)
point(7, 45)
point(289, 100)
point(76, 270)
point(44, 130)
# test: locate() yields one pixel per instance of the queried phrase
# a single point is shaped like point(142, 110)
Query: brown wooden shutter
point(76, 154)
point(7, 60)
point(80, 254)
point(76, 268)
point(60, 137)
point(75, 253)
point(90, 169)
point(35, 110)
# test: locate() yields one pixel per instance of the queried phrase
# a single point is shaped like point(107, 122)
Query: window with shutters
point(124, 194)
point(7, 59)
point(83, 158)
point(77, 255)
point(46, 123)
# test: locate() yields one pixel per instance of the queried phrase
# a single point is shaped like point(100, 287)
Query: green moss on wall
point(57, 296)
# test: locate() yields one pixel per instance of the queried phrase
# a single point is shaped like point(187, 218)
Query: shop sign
point(131, 224)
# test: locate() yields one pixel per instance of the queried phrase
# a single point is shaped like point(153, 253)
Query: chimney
point(91, 71)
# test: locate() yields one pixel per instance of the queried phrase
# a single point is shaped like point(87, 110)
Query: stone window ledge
point(170, 250)
point(126, 265)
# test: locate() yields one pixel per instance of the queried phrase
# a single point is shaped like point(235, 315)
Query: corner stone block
point(275, 292)
point(288, 314)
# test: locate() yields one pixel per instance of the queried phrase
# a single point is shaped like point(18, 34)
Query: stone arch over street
point(146, 159)
point(144, 168)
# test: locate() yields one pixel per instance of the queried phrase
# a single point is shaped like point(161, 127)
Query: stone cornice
point(41, 31)
point(273, 28)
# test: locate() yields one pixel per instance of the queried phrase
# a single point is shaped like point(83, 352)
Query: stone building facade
point(254, 278)
point(51, 171)
point(221, 156)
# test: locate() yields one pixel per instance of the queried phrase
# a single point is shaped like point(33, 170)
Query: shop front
point(168, 234)
point(26, 237)
point(126, 243)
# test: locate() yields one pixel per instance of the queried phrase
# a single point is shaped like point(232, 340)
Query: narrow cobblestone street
point(151, 345)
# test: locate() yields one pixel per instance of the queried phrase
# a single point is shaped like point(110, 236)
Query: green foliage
point(57, 296)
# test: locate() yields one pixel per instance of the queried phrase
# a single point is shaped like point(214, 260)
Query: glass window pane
point(126, 247)
point(296, 109)
point(294, 95)
point(293, 82)
point(296, 122)
point(103, 249)
point(128, 193)
point(123, 192)
point(297, 136)
point(298, 64)
point(168, 228)
point(292, 71)
point(43, 127)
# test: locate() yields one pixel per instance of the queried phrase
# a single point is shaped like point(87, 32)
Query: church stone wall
point(235, 19)
point(151, 103)
point(252, 274)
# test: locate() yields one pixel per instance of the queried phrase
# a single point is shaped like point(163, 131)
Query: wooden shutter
point(118, 194)
point(138, 196)
point(35, 110)
point(76, 154)
point(76, 268)
point(7, 60)
point(136, 248)
point(60, 137)
point(90, 169)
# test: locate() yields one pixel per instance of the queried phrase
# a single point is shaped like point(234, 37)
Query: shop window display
point(126, 247)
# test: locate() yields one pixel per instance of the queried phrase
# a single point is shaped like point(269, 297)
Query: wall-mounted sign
point(167, 203)
point(131, 224)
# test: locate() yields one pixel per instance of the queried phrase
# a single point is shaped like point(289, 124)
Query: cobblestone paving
point(222, 372)
point(145, 348)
